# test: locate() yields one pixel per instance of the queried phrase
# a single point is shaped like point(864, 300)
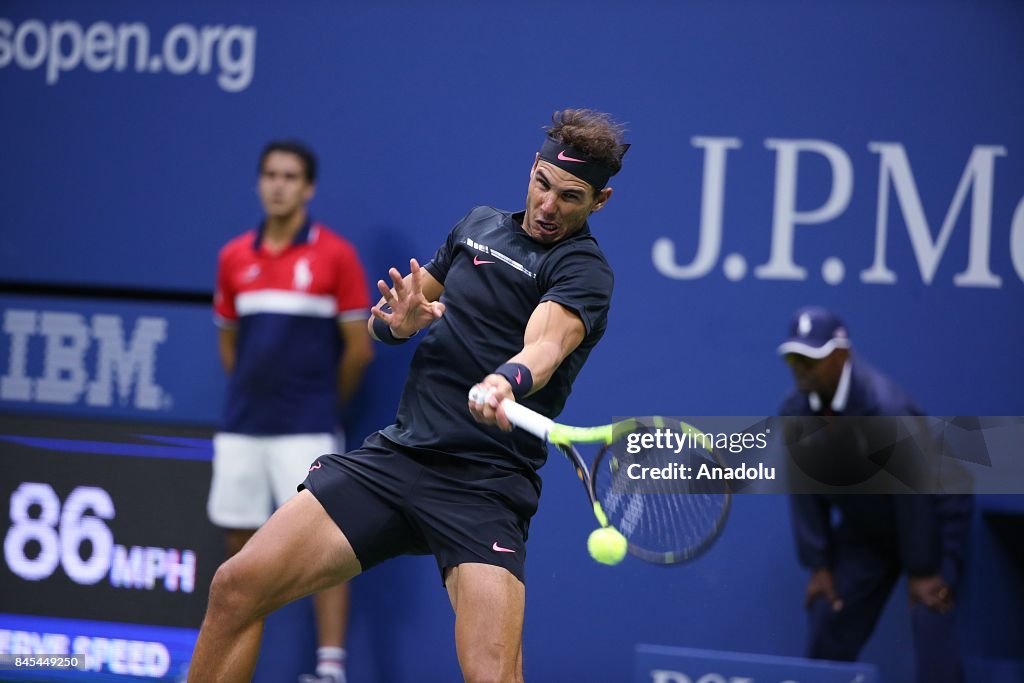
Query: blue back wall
point(868, 156)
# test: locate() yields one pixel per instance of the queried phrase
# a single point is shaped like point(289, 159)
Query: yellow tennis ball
point(607, 545)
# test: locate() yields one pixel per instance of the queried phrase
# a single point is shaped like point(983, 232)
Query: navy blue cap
point(815, 332)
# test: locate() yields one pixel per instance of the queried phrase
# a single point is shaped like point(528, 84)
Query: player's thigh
point(289, 458)
point(240, 491)
point(489, 603)
point(472, 585)
point(300, 550)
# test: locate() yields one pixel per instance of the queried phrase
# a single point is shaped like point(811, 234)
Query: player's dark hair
point(292, 147)
point(593, 132)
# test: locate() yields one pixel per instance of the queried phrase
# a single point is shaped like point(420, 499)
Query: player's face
point(283, 186)
point(558, 203)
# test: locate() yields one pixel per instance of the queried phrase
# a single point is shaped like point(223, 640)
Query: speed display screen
point(107, 551)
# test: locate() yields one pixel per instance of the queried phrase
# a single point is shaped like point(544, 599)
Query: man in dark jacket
point(858, 545)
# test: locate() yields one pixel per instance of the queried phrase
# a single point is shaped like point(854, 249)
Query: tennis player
point(514, 302)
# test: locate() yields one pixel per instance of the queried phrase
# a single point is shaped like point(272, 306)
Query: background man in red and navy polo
point(291, 304)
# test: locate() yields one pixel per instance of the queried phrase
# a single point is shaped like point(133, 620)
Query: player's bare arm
point(552, 333)
point(413, 301)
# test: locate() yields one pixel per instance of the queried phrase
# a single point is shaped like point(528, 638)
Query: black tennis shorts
point(389, 500)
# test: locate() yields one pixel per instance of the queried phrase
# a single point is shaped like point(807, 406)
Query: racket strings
point(668, 517)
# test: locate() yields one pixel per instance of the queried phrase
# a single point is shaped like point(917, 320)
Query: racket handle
point(519, 415)
point(527, 420)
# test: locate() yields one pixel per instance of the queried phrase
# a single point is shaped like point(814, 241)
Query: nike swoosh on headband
point(563, 157)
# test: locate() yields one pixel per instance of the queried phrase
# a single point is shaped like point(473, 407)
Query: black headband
point(576, 162)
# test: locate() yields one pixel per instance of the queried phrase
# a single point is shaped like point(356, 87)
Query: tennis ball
point(607, 545)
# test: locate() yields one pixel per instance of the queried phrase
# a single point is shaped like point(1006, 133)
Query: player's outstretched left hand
point(410, 311)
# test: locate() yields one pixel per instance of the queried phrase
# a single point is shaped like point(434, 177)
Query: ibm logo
point(123, 365)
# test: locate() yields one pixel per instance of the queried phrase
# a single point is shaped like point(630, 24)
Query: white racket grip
point(527, 420)
point(519, 415)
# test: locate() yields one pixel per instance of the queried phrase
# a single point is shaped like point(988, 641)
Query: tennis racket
point(665, 520)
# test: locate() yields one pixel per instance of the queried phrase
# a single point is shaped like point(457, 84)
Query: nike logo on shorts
point(315, 466)
point(498, 549)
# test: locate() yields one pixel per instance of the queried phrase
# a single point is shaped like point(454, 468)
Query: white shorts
point(254, 474)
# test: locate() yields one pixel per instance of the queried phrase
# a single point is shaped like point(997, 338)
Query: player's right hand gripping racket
point(665, 520)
